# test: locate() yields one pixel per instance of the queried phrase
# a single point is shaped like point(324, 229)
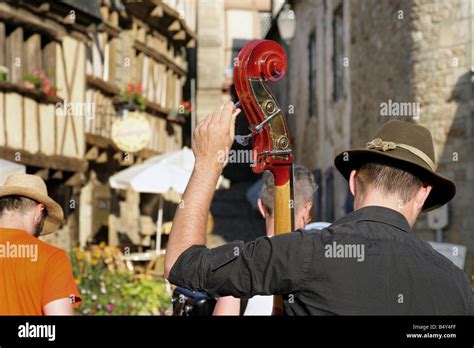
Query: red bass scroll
point(258, 62)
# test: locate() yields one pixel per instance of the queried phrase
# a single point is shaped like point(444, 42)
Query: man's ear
point(39, 212)
point(352, 182)
point(307, 212)
point(422, 195)
point(261, 208)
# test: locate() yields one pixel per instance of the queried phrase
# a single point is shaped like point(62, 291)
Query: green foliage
point(3, 73)
point(40, 80)
point(108, 291)
point(36, 80)
point(133, 96)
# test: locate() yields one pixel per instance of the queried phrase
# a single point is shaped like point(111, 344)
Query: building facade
point(224, 26)
point(71, 73)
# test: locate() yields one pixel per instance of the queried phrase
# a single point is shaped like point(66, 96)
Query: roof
point(90, 7)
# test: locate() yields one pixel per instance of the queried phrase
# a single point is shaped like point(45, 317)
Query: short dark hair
point(389, 180)
point(16, 203)
point(304, 188)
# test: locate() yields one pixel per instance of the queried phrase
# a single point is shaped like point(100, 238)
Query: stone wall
point(380, 62)
point(223, 25)
point(210, 56)
point(442, 55)
point(318, 138)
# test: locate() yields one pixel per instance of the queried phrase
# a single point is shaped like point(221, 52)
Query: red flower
point(130, 88)
point(139, 89)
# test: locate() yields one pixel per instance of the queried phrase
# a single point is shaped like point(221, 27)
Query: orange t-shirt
point(32, 274)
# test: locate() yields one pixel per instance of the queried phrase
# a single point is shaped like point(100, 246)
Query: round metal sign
point(131, 134)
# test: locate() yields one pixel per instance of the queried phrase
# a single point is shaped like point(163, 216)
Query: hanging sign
point(131, 134)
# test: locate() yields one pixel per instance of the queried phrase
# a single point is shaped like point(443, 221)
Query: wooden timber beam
point(104, 86)
point(109, 29)
point(147, 153)
point(191, 43)
point(59, 175)
point(103, 157)
point(99, 141)
point(76, 179)
point(43, 173)
point(67, 24)
point(175, 14)
point(92, 154)
point(44, 7)
point(35, 94)
point(22, 17)
point(159, 57)
point(40, 160)
point(161, 17)
point(157, 12)
point(118, 156)
point(174, 26)
point(180, 35)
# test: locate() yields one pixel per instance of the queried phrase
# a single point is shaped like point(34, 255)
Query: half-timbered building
point(88, 88)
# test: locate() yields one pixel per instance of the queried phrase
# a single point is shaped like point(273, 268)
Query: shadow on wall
point(457, 162)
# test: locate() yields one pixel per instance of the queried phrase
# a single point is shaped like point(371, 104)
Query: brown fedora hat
point(407, 146)
point(33, 187)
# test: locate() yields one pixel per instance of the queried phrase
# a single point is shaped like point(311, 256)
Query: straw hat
point(407, 146)
point(33, 187)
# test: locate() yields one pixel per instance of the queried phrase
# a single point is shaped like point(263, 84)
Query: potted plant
point(133, 97)
point(40, 80)
point(3, 73)
point(183, 110)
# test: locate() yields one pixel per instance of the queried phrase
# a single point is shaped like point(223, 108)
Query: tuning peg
point(243, 139)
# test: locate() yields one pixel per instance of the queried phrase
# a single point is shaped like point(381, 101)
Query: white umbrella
point(8, 168)
point(161, 174)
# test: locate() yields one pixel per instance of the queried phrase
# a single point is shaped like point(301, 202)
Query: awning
point(8, 168)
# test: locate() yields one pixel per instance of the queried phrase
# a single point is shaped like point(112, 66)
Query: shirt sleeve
point(266, 266)
point(59, 280)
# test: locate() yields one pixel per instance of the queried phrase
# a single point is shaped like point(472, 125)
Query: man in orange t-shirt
point(35, 277)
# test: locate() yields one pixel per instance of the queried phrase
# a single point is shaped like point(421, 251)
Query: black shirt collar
point(376, 213)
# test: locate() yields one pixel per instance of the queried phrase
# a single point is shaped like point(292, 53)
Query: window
point(337, 57)
point(313, 105)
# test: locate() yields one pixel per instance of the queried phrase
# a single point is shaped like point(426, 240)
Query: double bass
point(259, 62)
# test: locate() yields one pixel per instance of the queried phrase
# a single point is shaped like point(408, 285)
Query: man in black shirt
point(368, 262)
